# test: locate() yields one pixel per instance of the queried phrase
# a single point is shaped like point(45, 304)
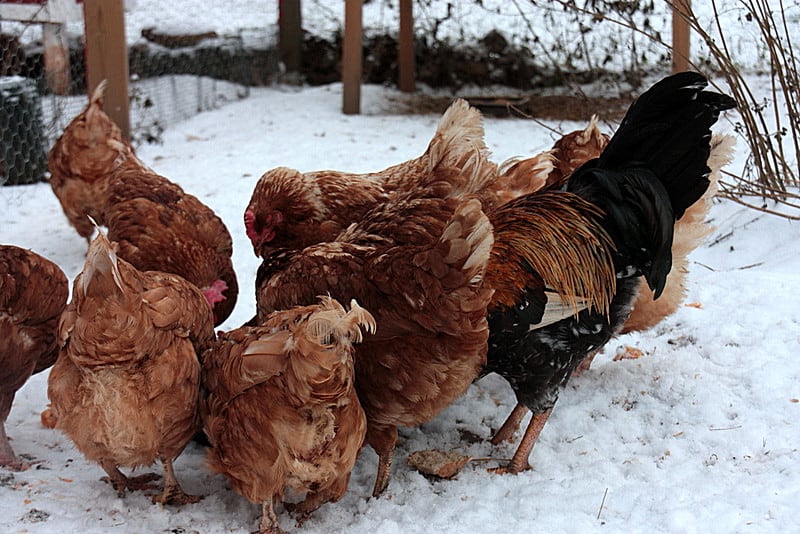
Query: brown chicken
point(292, 210)
point(418, 266)
point(126, 383)
point(159, 227)
point(33, 293)
point(281, 408)
point(82, 161)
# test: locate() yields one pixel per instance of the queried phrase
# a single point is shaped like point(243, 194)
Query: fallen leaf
point(697, 305)
point(62, 479)
point(444, 464)
point(794, 400)
point(628, 353)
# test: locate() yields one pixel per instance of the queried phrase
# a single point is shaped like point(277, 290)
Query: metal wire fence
point(172, 77)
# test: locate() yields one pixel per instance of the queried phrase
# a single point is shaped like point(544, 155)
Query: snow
point(698, 435)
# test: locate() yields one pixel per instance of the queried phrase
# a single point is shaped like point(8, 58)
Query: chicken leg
point(519, 462)
point(511, 425)
point(173, 493)
point(120, 482)
point(269, 521)
point(383, 440)
point(7, 457)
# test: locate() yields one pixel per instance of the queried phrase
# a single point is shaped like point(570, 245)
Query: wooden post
point(351, 57)
point(107, 57)
point(291, 35)
point(405, 48)
point(56, 58)
point(680, 35)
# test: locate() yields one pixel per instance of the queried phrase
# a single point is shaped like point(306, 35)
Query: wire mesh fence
point(173, 76)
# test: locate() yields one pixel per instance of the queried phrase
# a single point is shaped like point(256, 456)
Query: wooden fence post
point(405, 48)
point(56, 58)
point(107, 57)
point(351, 57)
point(680, 35)
point(291, 35)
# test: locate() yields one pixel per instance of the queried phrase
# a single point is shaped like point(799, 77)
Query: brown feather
point(559, 236)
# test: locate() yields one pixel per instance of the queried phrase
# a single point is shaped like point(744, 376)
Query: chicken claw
point(173, 493)
point(120, 482)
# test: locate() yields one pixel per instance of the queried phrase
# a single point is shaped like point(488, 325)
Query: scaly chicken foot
point(269, 520)
point(8, 459)
point(511, 425)
point(173, 492)
point(120, 482)
point(519, 462)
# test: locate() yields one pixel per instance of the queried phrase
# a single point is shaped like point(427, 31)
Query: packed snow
point(698, 435)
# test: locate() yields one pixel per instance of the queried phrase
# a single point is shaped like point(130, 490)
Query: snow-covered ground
point(699, 435)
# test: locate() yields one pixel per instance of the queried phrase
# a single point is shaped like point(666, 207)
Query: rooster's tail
point(653, 169)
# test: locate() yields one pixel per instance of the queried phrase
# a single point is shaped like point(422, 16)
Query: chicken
point(159, 227)
point(125, 387)
point(82, 160)
point(418, 266)
point(651, 171)
point(292, 210)
point(33, 293)
point(281, 407)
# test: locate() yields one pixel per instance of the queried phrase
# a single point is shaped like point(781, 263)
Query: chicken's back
point(33, 293)
point(159, 227)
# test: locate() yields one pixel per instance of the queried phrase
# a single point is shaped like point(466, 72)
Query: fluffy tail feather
point(653, 169)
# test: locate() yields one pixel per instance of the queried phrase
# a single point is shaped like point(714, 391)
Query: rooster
point(651, 171)
point(125, 387)
point(281, 407)
point(33, 293)
point(418, 265)
point(82, 161)
point(159, 227)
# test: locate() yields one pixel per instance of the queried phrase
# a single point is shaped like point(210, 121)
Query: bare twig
point(602, 503)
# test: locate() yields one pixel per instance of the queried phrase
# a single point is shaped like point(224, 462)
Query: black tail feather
point(654, 167)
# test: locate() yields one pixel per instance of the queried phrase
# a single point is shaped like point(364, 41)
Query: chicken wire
point(170, 82)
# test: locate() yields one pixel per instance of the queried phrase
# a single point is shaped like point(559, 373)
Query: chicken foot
point(8, 459)
point(314, 500)
point(269, 521)
point(519, 462)
point(173, 492)
point(384, 472)
point(120, 482)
